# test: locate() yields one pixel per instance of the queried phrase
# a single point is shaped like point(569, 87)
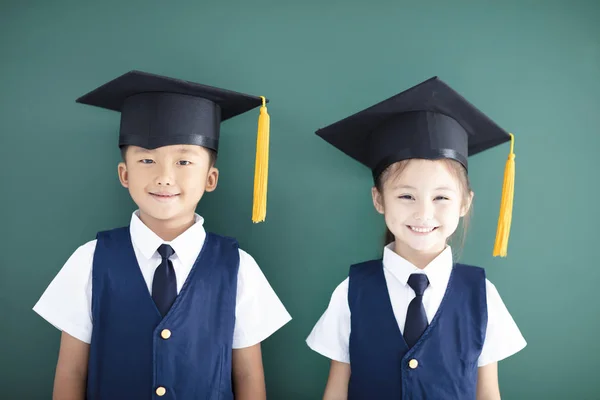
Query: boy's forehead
point(176, 148)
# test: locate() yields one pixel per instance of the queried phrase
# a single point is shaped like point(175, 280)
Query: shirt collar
point(437, 271)
point(187, 246)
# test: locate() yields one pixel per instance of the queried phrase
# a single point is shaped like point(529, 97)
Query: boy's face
point(168, 182)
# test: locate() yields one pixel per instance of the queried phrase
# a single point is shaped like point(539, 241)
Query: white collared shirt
point(66, 303)
point(331, 335)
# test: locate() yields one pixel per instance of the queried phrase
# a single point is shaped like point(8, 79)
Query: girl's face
point(422, 205)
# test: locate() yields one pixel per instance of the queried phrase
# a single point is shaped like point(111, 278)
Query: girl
point(414, 324)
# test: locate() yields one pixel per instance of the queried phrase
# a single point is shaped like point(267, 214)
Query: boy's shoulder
point(224, 240)
point(85, 251)
point(83, 255)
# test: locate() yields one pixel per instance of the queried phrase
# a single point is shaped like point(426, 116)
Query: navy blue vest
point(441, 365)
point(186, 354)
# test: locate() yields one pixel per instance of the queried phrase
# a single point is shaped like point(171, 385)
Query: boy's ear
point(466, 207)
point(377, 200)
point(123, 176)
point(212, 179)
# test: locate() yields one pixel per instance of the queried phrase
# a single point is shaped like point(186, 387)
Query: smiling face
point(168, 182)
point(422, 202)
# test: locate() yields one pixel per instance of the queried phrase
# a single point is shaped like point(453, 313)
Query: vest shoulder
point(112, 232)
point(468, 267)
point(471, 271)
point(223, 239)
point(365, 267)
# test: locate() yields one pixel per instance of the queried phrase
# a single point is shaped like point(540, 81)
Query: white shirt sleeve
point(503, 337)
point(330, 337)
point(258, 312)
point(67, 301)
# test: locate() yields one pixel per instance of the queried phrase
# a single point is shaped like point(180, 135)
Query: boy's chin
point(164, 215)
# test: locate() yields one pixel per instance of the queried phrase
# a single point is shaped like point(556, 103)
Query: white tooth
point(421, 230)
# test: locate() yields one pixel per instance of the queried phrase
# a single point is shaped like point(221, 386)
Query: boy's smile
point(163, 196)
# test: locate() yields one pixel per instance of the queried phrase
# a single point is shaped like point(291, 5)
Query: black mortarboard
point(430, 121)
point(160, 111)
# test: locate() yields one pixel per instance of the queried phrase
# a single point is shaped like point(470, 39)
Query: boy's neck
point(168, 230)
point(417, 258)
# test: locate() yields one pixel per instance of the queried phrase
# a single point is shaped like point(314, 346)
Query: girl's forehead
point(424, 174)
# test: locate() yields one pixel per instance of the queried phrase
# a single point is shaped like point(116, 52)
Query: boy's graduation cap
point(429, 121)
point(160, 111)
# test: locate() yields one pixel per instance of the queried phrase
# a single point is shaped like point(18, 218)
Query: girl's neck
point(167, 230)
point(417, 258)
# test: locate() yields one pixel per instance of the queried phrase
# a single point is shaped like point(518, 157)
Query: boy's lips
point(162, 196)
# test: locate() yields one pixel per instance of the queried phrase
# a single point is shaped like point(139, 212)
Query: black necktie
point(416, 319)
point(164, 285)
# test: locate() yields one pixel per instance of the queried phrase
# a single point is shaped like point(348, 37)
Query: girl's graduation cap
point(430, 121)
point(160, 111)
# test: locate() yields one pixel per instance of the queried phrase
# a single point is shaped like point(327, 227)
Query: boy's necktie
point(164, 285)
point(416, 319)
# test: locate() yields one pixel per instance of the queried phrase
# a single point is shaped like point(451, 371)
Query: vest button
point(413, 363)
point(165, 334)
point(161, 391)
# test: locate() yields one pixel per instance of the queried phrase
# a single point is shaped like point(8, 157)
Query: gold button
point(165, 334)
point(161, 391)
point(413, 363)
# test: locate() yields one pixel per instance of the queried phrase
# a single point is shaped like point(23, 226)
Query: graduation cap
point(160, 111)
point(428, 121)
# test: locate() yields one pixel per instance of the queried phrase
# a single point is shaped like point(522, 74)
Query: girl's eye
point(406, 197)
point(441, 198)
point(184, 162)
point(146, 161)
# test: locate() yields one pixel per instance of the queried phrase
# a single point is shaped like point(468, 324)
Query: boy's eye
point(146, 161)
point(184, 162)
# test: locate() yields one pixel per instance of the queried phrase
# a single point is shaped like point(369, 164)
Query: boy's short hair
point(212, 160)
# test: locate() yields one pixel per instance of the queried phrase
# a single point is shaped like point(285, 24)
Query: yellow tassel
point(506, 204)
point(261, 170)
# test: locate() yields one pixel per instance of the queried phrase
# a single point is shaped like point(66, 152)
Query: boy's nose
point(165, 177)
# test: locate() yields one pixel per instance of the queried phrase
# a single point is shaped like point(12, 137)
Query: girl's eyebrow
point(414, 188)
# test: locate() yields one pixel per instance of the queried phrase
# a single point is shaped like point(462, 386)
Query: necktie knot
point(418, 282)
point(165, 251)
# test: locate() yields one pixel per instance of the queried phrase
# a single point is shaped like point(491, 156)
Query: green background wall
point(532, 66)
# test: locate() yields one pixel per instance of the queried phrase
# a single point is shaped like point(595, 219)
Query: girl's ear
point(466, 207)
point(377, 200)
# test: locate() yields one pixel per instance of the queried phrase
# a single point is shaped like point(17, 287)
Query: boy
point(161, 308)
